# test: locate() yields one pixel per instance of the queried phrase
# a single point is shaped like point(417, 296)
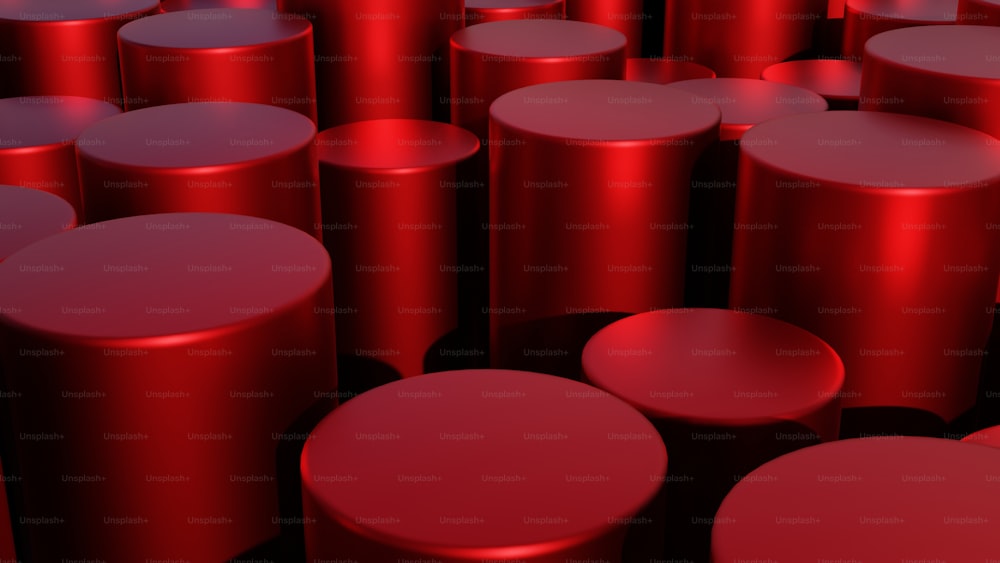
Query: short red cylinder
point(979, 12)
point(163, 366)
point(737, 38)
point(64, 47)
point(486, 11)
point(626, 16)
point(389, 222)
point(665, 71)
point(219, 55)
point(28, 215)
point(864, 19)
point(37, 138)
point(249, 159)
point(838, 81)
point(878, 233)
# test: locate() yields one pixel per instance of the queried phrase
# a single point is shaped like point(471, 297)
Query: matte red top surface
point(917, 11)
point(67, 10)
point(213, 29)
point(159, 275)
point(746, 101)
point(507, 4)
point(395, 144)
point(941, 49)
point(539, 39)
point(505, 447)
point(32, 121)
point(27, 215)
point(713, 366)
point(660, 71)
point(873, 499)
point(604, 110)
point(875, 150)
point(833, 79)
point(196, 134)
point(986, 437)
point(177, 5)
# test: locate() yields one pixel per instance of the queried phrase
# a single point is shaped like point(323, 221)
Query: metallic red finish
point(737, 38)
point(178, 5)
point(588, 202)
point(625, 16)
point(986, 437)
point(161, 365)
point(64, 47)
point(220, 55)
point(835, 9)
point(28, 215)
point(381, 58)
point(979, 12)
point(478, 465)
point(249, 159)
point(665, 71)
point(864, 19)
point(485, 11)
point(876, 232)
point(37, 138)
point(838, 81)
point(388, 189)
point(895, 498)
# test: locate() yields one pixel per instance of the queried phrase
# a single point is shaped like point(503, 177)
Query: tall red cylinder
point(626, 16)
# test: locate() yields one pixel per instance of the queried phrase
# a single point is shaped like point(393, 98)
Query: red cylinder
point(665, 71)
point(738, 38)
point(178, 5)
point(249, 159)
point(28, 215)
point(37, 138)
point(599, 170)
point(64, 47)
point(486, 11)
point(382, 59)
point(626, 16)
point(219, 55)
point(435, 468)
point(165, 365)
point(838, 81)
point(389, 222)
point(979, 12)
point(985, 437)
point(864, 19)
point(876, 232)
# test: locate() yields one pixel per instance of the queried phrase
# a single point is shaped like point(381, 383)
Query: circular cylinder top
point(219, 28)
point(664, 71)
point(34, 121)
point(831, 78)
point(160, 275)
point(395, 144)
point(538, 39)
point(28, 215)
point(904, 11)
point(940, 50)
point(71, 10)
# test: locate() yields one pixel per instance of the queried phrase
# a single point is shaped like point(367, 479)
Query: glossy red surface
point(873, 231)
point(485, 11)
point(159, 365)
point(879, 499)
point(864, 19)
point(664, 71)
point(38, 134)
point(835, 80)
point(28, 215)
point(243, 158)
point(388, 193)
point(979, 12)
point(478, 465)
point(985, 437)
point(626, 16)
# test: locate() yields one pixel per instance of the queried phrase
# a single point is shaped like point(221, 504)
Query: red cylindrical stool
point(37, 137)
point(219, 55)
point(979, 12)
point(896, 499)
point(166, 366)
point(626, 16)
point(178, 5)
point(28, 215)
point(665, 71)
point(485, 11)
point(380, 59)
point(250, 159)
point(838, 81)
point(986, 437)
point(938, 71)
point(588, 211)
point(733, 388)
point(64, 47)
point(864, 19)
point(478, 465)
point(389, 190)
point(872, 230)
point(744, 102)
point(738, 38)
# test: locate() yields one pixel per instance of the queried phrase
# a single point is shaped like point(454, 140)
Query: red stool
point(979, 12)
point(626, 16)
point(249, 159)
point(486, 11)
point(478, 465)
point(986, 437)
point(665, 71)
point(734, 388)
point(64, 47)
point(389, 218)
point(166, 365)
point(28, 215)
point(895, 499)
point(893, 261)
point(864, 19)
point(44, 130)
point(838, 81)
point(220, 55)
point(598, 170)
point(736, 38)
